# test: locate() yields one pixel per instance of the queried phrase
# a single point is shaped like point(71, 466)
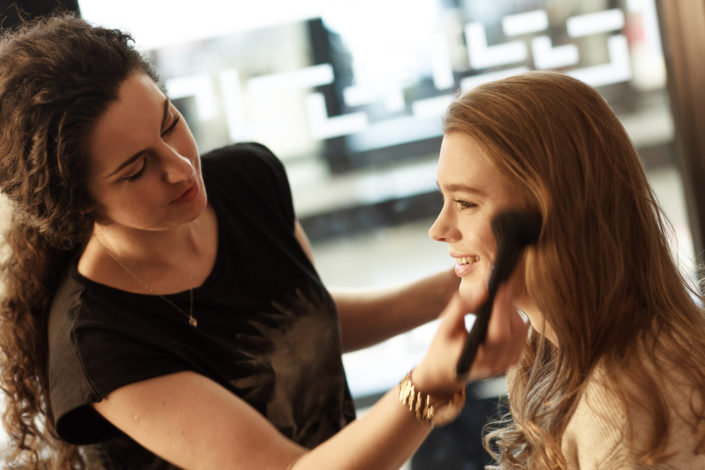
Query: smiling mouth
point(467, 259)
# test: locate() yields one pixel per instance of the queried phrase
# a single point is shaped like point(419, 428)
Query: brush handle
point(507, 258)
point(477, 335)
point(513, 230)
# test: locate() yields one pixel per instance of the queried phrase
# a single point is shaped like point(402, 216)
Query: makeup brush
point(513, 230)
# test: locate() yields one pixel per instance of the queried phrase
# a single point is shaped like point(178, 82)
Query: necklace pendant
point(192, 321)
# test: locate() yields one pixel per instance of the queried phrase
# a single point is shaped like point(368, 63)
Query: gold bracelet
point(428, 409)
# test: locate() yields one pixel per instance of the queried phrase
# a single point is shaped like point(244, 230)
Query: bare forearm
point(368, 317)
point(384, 438)
point(214, 428)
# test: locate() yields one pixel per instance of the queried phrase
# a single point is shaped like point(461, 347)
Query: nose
point(175, 167)
point(443, 228)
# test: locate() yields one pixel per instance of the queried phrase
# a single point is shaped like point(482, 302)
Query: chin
point(472, 293)
point(199, 205)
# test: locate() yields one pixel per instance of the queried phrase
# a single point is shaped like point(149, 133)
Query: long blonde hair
point(602, 273)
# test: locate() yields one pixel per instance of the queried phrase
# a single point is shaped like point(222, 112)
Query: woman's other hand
point(505, 340)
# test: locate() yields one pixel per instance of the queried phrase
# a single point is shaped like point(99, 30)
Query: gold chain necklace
point(191, 319)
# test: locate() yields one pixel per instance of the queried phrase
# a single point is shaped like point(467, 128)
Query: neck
point(168, 260)
point(148, 246)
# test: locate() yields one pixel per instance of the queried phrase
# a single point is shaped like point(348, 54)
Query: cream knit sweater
point(591, 442)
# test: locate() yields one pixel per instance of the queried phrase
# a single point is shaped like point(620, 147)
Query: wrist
point(427, 408)
point(432, 380)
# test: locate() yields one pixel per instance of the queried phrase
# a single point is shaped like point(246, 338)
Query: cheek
point(133, 200)
point(481, 241)
point(473, 287)
point(488, 245)
point(187, 148)
point(187, 143)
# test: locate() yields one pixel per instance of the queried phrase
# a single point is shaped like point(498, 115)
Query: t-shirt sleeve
point(70, 391)
point(89, 361)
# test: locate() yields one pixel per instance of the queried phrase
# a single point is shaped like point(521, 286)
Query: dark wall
point(14, 12)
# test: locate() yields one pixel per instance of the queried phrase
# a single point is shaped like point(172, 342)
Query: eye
point(140, 172)
point(172, 126)
point(461, 204)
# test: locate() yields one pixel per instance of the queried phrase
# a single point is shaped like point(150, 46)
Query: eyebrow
point(134, 157)
point(455, 187)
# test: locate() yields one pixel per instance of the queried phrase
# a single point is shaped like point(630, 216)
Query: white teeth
point(468, 259)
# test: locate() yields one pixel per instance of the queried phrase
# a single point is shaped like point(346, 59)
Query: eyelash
point(139, 174)
point(460, 204)
point(177, 119)
point(141, 171)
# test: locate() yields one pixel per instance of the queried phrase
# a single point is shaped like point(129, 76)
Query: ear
point(93, 212)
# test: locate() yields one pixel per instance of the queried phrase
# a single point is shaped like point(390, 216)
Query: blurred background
point(350, 95)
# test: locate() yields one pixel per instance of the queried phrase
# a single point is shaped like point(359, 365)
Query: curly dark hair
point(57, 76)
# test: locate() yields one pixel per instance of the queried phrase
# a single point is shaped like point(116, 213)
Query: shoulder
point(249, 174)
point(69, 387)
point(100, 339)
point(243, 156)
point(598, 434)
point(64, 310)
point(593, 435)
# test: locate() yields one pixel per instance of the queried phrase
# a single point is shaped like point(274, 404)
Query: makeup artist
point(161, 309)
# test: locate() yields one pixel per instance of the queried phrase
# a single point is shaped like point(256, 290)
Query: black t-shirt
point(267, 328)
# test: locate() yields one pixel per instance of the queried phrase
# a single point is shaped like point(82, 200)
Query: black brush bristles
point(513, 230)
